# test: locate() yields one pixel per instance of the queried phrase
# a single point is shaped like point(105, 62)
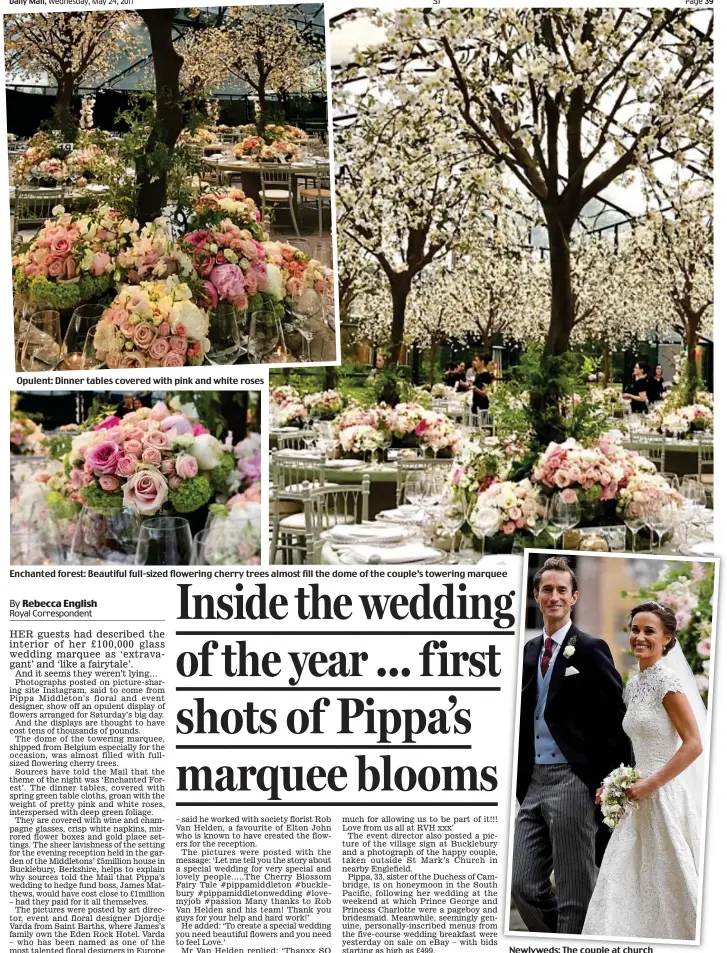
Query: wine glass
point(308, 434)
point(536, 522)
point(484, 520)
point(452, 514)
point(634, 519)
point(694, 494)
point(105, 539)
point(164, 541)
point(224, 335)
point(558, 519)
point(324, 254)
point(42, 346)
point(265, 337)
point(660, 518)
point(83, 320)
point(90, 361)
point(35, 540)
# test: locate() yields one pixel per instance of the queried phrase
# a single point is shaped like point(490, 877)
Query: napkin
point(343, 464)
point(363, 532)
point(408, 553)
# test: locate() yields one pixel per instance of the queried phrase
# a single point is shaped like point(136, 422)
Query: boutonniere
point(570, 649)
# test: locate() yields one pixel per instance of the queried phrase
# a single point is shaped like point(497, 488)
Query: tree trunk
point(261, 119)
point(691, 325)
point(432, 355)
point(400, 287)
point(151, 178)
point(62, 112)
point(606, 365)
point(561, 290)
point(330, 377)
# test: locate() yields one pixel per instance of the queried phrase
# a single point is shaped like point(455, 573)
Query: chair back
point(34, 206)
point(275, 175)
point(653, 448)
point(290, 441)
point(331, 505)
point(705, 455)
point(291, 477)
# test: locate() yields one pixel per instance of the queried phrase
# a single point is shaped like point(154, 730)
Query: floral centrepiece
point(230, 263)
point(212, 208)
point(147, 459)
point(505, 507)
point(26, 436)
point(323, 405)
point(154, 324)
point(278, 151)
point(302, 275)
point(73, 258)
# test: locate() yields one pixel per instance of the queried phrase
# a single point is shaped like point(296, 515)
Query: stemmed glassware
point(695, 504)
point(83, 322)
point(105, 539)
point(537, 521)
point(452, 515)
point(35, 538)
point(634, 519)
point(164, 541)
point(42, 346)
point(562, 516)
point(224, 335)
point(266, 344)
point(660, 518)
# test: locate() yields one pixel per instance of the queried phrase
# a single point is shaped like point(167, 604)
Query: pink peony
point(186, 466)
point(179, 423)
point(103, 457)
point(198, 238)
point(159, 411)
point(108, 423)
point(229, 281)
point(198, 429)
point(146, 492)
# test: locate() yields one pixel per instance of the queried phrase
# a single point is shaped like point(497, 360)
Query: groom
point(571, 737)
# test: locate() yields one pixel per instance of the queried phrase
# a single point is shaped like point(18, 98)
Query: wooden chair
point(277, 190)
point(34, 207)
point(318, 196)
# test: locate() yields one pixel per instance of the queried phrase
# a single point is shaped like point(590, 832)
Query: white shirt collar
point(560, 634)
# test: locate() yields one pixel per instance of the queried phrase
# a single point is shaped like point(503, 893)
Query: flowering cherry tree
point(73, 48)
point(435, 312)
point(402, 193)
point(267, 51)
point(674, 253)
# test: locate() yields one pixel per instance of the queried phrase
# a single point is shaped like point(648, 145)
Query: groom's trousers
point(555, 831)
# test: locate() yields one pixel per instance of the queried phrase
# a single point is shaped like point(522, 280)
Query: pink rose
point(143, 336)
point(133, 448)
point(126, 465)
point(100, 261)
point(151, 455)
point(109, 483)
point(173, 360)
point(229, 281)
point(186, 466)
point(156, 439)
point(561, 479)
point(56, 267)
point(69, 269)
point(198, 238)
point(167, 466)
point(175, 482)
point(108, 423)
point(126, 328)
point(514, 513)
point(569, 496)
point(76, 478)
point(104, 457)
point(163, 329)
point(199, 429)
point(206, 268)
point(178, 345)
point(146, 492)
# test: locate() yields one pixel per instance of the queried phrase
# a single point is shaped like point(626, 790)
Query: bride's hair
point(666, 616)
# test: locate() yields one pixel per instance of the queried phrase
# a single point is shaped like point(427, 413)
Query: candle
point(72, 362)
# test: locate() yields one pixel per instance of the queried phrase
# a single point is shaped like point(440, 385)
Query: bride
point(648, 882)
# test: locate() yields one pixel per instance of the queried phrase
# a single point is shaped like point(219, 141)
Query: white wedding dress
point(648, 882)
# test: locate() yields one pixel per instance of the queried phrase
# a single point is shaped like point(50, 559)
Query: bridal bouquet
point(614, 802)
point(147, 459)
point(154, 324)
point(73, 258)
point(211, 209)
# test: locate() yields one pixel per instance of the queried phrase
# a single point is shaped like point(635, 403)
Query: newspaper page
point(362, 567)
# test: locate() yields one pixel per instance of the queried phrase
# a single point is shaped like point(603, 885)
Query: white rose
point(273, 283)
point(195, 322)
point(207, 451)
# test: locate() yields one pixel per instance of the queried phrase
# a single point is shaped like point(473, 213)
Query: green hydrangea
point(221, 473)
point(191, 495)
point(100, 501)
point(64, 295)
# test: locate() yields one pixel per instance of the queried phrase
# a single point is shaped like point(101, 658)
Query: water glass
point(83, 320)
point(105, 539)
point(224, 335)
point(266, 343)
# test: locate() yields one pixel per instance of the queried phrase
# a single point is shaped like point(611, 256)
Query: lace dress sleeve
point(667, 681)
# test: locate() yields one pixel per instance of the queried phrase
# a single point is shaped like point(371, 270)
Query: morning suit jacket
point(584, 710)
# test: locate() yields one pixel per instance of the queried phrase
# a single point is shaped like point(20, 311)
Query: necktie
point(547, 655)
